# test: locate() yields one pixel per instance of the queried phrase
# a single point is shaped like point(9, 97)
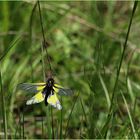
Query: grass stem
point(3, 108)
point(118, 70)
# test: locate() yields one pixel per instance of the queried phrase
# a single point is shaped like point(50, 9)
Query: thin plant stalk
point(23, 124)
point(44, 41)
point(18, 127)
point(83, 109)
point(61, 120)
point(3, 108)
point(105, 90)
point(44, 45)
point(122, 56)
point(52, 123)
point(10, 47)
point(30, 38)
point(42, 125)
point(118, 70)
point(130, 118)
point(70, 115)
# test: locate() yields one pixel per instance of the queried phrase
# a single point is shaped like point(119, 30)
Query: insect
point(45, 92)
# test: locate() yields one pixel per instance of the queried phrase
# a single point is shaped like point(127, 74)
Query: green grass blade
point(42, 126)
point(130, 117)
point(122, 56)
point(49, 127)
point(10, 47)
point(23, 125)
point(3, 107)
point(120, 64)
point(5, 13)
point(52, 125)
point(70, 116)
point(105, 90)
point(83, 110)
point(30, 39)
point(61, 120)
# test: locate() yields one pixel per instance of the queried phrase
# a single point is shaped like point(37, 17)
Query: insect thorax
point(49, 86)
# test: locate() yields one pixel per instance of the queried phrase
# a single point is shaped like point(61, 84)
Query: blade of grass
point(43, 59)
point(70, 115)
point(18, 127)
point(83, 116)
point(128, 81)
point(122, 56)
point(105, 90)
point(3, 107)
point(44, 44)
point(17, 40)
point(42, 126)
point(48, 116)
point(56, 130)
point(20, 123)
point(16, 130)
point(118, 70)
point(30, 38)
point(5, 13)
point(130, 117)
point(83, 110)
point(61, 120)
point(52, 123)
point(23, 124)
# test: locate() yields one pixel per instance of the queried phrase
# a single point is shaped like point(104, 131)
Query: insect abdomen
point(46, 103)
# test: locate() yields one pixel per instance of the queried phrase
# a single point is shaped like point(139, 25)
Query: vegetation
point(93, 48)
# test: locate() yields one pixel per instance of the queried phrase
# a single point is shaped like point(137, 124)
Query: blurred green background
point(85, 47)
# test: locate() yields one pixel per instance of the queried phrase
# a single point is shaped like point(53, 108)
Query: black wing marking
point(32, 88)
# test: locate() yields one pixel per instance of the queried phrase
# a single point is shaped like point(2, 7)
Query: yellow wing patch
point(40, 86)
point(56, 88)
point(32, 87)
point(62, 91)
point(53, 100)
point(39, 97)
point(56, 85)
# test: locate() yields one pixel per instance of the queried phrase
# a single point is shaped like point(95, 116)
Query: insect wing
point(53, 100)
point(39, 97)
point(62, 91)
point(32, 87)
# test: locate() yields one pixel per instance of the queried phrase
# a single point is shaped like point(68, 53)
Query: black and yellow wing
point(39, 97)
point(54, 101)
point(62, 91)
point(33, 88)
